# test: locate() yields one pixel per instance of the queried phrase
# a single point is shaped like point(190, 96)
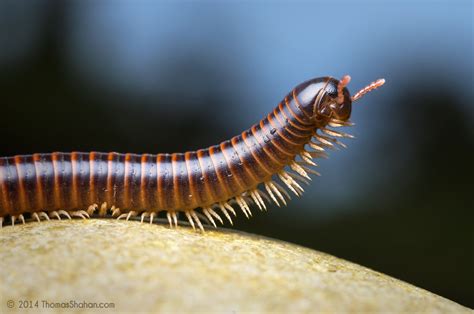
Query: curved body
point(180, 181)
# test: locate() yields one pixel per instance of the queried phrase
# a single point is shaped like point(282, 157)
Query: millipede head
point(334, 100)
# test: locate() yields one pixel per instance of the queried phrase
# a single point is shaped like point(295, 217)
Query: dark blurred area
point(162, 77)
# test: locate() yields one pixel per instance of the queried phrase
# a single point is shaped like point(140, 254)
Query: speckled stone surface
point(150, 268)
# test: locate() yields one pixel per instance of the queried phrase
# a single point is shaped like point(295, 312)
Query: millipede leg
point(206, 222)
point(175, 219)
point(282, 190)
point(209, 217)
point(168, 215)
point(296, 176)
point(269, 190)
point(143, 216)
point(306, 156)
point(92, 208)
point(226, 214)
point(290, 183)
point(17, 217)
point(152, 216)
point(324, 140)
point(336, 133)
point(115, 211)
point(259, 198)
point(230, 208)
point(190, 219)
point(316, 146)
point(335, 123)
point(43, 214)
point(196, 219)
point(35, 216)
point(263, 196)
point(331, 140)
point(309, 170)
point(257, 193)
point(38, 215)
point(300, 170)
point(255, 199)
point(128, 215)
point(147, 214)
point(318, 155)
point(278, 190)
point(215, 215)
point(64, 213)
point(80, 213)
point(131, 214)
point(54, 214)
point(244, 206)
point(103, 209)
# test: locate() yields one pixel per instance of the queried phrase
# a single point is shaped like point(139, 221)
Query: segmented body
point(78, 184)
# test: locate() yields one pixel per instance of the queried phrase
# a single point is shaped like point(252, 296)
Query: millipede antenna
point(372, 86)
point(340, 87)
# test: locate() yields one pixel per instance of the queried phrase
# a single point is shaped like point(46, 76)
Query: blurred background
point(143, 76)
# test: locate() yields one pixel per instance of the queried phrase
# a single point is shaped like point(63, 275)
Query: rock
point(151, 268)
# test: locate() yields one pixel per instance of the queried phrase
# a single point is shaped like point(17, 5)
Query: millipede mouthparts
point(253, 167)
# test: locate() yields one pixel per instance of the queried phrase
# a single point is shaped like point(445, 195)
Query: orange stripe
point(235, 176)
point(278, 130)
point(220, 181)
point(184, 182)
point(92, 194)
point(244, 136)
point(110, 196)
point(3, 185)
point(159, 182)
point(298, 105)
point(264, 146)
point(274, 142)
point(249, 170)
point(21, 184)
point(210, 193)
point(39, 192)
point(290, 121)
point(293, 114)
point(143, 190)
point(287, 126)
point(56, 187)
point(279, 143)
point(196, 198)
point(74, 189)
point(175, 200)
point(126, 183)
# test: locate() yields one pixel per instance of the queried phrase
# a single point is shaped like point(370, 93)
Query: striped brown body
point(173, 182)
point(176, 181)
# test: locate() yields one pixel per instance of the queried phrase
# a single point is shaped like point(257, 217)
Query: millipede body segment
point(202, 183)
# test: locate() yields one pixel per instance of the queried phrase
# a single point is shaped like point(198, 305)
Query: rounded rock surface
point(151, 268)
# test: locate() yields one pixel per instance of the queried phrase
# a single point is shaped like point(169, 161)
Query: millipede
point(253, 168)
